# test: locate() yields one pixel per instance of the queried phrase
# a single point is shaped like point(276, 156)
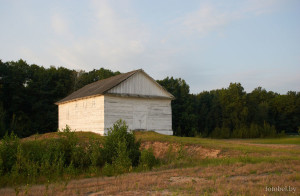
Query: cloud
point(204, 20)
point(258, 7)
point(111, 39)
point(60, 25)
point(212, 17)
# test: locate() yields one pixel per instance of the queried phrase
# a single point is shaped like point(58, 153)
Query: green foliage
point(108, 170)
point(8, 152)
point(184, 118)
point(28, 93)
point(121, 162)
point(2, 122)
point(95, 151)
point(119, 135)
point(223, 132)
point(40, 160)
point(120, 150)
point(83, 78)
point(231, 112)
point(147, 159)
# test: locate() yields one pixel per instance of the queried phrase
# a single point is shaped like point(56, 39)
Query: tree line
point(231, 112)
point(28, 93)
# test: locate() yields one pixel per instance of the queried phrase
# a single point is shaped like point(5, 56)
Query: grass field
point(192, 166)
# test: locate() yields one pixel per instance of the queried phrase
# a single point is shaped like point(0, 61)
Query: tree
point(183, 117)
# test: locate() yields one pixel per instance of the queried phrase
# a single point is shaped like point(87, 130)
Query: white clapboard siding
point(139, 113)
point(139, 84)
point(83, 115)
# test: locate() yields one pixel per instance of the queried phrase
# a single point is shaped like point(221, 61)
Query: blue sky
point(207, 43)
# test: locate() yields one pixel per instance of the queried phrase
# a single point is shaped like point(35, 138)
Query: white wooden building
point(134, 97)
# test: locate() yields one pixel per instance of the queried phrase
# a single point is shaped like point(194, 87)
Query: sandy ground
point(161, 148)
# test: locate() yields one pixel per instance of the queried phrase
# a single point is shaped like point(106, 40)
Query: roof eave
point(76, 99)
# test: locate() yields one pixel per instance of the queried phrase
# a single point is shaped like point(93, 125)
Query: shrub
point(108, 170)
point(119, 135)
point(95, 153)
point(147, 159)
point(121, 163)
point(8, 152)
point(49, 160)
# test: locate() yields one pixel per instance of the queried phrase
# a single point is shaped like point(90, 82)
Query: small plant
point(147, 159)
point(8, 152)
point(170, 155)
point(181, 153)
point(121, 163)
point(108, 170)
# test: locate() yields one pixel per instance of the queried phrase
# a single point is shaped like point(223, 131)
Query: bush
point(108, 170)
point(119, 135)
point(49, 160)
point(120, 148)
point(8, 152)
point(147, 160)
point(40, 160)
point(121, 163)
point(95, 152)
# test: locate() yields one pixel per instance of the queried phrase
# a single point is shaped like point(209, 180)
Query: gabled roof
point(102, 86)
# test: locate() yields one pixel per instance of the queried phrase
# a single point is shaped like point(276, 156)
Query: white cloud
point(258, 7)
point(211, 17)
point(60, 25)
point(204, 20)
point(112, 40)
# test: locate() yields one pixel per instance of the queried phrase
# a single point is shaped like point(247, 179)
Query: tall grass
point(44, 160)
point(66, 157)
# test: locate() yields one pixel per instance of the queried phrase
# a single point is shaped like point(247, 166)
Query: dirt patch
point(160, 149)
point(185, 179)
point(131, 193)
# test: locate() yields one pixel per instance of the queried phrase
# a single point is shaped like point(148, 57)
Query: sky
point(209, 44)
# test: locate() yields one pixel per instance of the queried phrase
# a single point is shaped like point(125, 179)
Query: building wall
point(83, 115)
point(139, 113)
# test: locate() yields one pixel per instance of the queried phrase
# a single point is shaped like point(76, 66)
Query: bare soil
point(161, 148)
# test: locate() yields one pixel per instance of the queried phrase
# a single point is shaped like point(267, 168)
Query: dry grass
point(236, 179)
point(209, 167)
